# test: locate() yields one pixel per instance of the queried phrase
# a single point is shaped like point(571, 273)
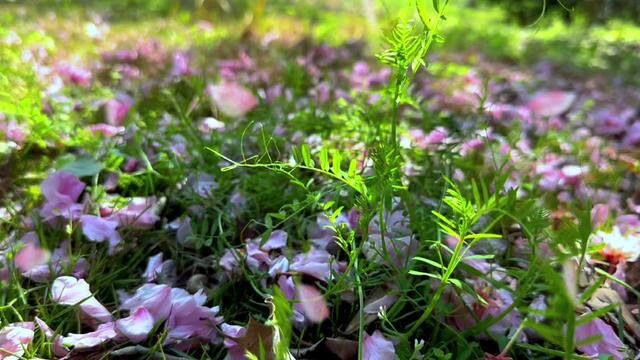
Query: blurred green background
point(580, 36)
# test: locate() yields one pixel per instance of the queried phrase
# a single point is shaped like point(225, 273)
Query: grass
point(297, 160)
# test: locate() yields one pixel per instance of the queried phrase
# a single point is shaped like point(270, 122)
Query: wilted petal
point(184, 231)
point(610, 122)
point(95, 310)
point(499, 301)
point(287, 286)
point(376, 347)
point(313, 304)
point(62, 190)
point(46, 330)
point(137, 326)
point(231, 99)
point(80, 268)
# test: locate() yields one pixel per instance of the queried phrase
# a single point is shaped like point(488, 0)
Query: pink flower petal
point(599, 215)
point(180, 65)
point(208, 125)
point(75, 75)
point(632, 137)
point(137, 326)
point(141, 212)
point(551, 103)
point(106, 130)
point(57, 347)
point(229, 261)
point(99, 229)
point(189, 319)
point(154, 267)
point(30, 257)
point(316, 263)
point(313, 304)
point(277, 240)
point(62, 190)
point(116, 110)
point(14, 338)
point(376, 347)
point(203, 184)
point(233, 331)
point(608, 342)
point(62, 186)
point(67, 290)
point(278, 266)
point(231, 99)
point(155, 298)
point(104, 333)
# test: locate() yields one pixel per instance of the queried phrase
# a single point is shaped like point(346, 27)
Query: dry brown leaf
point(343, 348)
point(606, 296)
point(368, 318)
point(258, 336)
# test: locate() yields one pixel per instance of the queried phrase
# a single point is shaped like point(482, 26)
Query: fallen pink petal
point(232, 99)
point(67, 290)
point(313, 304)
point(377, 347)
point(137, 326)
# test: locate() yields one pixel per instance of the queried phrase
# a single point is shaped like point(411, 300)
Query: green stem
point(513, 340)
point(394, 119)
point(360, 307)
point(455, 259)
point(365, 218)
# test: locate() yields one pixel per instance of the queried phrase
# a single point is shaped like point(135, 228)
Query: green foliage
point(466, 214)
point(578, 48)
point(281, 321)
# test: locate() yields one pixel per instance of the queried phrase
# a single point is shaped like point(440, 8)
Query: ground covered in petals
point(337, 181)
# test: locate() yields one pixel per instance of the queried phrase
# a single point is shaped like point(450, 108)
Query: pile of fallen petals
point(525, 106)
